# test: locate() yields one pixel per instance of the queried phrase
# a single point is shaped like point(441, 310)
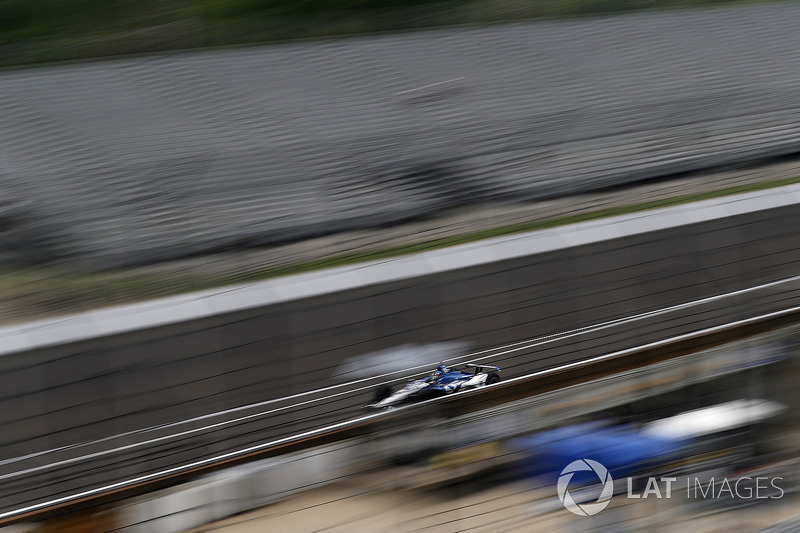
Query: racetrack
point(47, 476)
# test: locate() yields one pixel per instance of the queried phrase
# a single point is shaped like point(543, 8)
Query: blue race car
point(441, 382)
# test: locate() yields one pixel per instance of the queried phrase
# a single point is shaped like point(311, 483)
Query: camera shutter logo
point(585, 509)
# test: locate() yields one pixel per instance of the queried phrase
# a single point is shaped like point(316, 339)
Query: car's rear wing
point(479, 367)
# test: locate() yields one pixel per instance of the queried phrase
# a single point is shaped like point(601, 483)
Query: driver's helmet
point(440, 371)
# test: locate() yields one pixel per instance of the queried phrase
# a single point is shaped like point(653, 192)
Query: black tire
point(382, 392)
point(492, 378)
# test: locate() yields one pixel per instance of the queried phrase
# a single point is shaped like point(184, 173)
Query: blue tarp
point(621, 449)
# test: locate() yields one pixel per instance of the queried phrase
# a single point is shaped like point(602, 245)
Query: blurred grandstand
point(143, 160)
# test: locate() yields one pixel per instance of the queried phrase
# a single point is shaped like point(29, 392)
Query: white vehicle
point(441, 382)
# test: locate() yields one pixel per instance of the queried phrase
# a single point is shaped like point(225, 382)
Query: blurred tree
point(224, 22)
point(261, 8)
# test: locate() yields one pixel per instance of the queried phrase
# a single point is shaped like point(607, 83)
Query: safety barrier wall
point(126, 368)
point(237, 490)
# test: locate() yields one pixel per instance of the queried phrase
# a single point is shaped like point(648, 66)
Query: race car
point(441, 382)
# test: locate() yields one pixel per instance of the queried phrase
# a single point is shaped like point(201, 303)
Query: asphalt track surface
point(36, 479)
point(145, 159)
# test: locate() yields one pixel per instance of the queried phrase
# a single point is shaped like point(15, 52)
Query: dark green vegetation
point(33, 31)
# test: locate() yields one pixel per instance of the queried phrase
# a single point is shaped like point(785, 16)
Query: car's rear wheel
point(492, 378)
point(382, 392)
